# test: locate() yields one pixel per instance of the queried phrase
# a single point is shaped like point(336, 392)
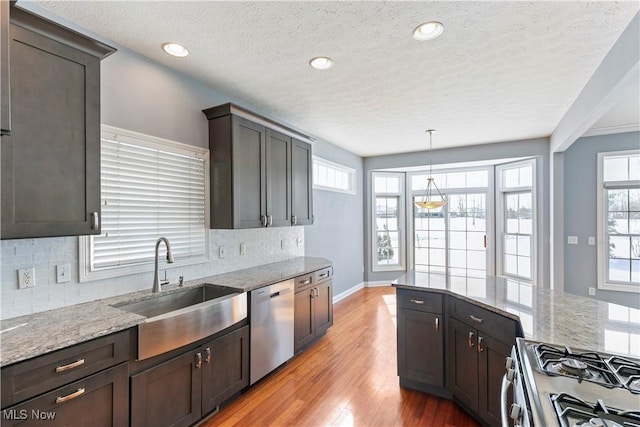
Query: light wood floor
point(348, 378)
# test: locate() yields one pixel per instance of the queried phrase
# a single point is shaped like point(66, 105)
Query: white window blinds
point(149, 190)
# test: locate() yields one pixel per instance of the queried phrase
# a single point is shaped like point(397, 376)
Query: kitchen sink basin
point(186, 316)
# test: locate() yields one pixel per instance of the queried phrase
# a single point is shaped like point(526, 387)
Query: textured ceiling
point(500, 71)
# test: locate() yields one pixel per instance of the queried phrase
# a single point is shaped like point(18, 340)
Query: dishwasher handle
point(275, 294)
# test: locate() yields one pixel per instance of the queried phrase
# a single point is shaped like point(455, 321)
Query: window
point(388, 241)
point(619, 221)
point(149, 188)
point(333, 177)
point(516, 220)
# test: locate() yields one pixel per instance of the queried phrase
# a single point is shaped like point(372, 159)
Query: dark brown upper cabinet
point(51, 159)
point(260, 173)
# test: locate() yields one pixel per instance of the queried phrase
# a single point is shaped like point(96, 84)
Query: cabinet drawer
point(323, 275)
point(420, 301)
point(27, 379)
point(100, 400)
point(303, 282)
point(494, 324)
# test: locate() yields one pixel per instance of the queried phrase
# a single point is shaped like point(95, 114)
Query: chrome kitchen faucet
point(156, 281)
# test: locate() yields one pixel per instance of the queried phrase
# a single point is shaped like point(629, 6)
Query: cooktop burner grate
point(574, 412)
point(588, 366)
point(628, 371)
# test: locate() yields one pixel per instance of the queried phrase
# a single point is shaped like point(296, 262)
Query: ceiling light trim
point(175, 49)
point(321, 63)
point(428, 30)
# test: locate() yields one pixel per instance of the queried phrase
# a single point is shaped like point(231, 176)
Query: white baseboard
point(380, 283)
point(350, 291)
point(359, 286)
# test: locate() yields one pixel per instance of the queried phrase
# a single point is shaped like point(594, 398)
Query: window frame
point(401, 265)
point(601, 222)
point(501, 193)
point(351, 173)
point(85, 244)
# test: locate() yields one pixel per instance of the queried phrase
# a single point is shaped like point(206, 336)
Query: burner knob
point(509, 363)
point(511, 374)
point(516, 412)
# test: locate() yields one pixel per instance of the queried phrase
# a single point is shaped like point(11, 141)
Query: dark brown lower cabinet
point(99, 400)
point(313, 311)
point(180, 391)
point(464, 364)
point(491, 364)
point(421, 347)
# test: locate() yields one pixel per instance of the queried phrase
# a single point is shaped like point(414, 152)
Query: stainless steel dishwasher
point(271, 325)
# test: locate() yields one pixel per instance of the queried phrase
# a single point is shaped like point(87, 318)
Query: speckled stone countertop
point(545, 315)
point(25, 337)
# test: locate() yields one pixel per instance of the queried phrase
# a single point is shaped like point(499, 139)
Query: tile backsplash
point(263, 246)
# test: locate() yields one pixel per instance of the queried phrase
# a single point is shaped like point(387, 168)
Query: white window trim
point(500, 191)
point(402, 231)
point(602, 224)
point(337, 166)
point(84, 243)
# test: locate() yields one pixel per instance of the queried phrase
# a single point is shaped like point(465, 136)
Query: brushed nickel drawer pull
point(306, 282)
point(62, 399)
point(417, 301)
point(324, 275)
point(70, 365)
point(475, 319)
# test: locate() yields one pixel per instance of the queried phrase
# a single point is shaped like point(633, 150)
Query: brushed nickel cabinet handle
point(95, 220)
point(294, 219)
point(417, 301)
point(207, 355)
point(323, 275)
point(263, 220)
point(470, 342)
point(480, 349)
point(306, 282)
point(62, 399)
point(70, 365)
point(198, 360)
point(437, 324)
point(270, 220)
point(475, 319)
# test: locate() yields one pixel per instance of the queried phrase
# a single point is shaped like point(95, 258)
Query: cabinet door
point(323, 315)
point(249, 173)
point(225, 371)
point(303, 326)
point(168, 394)
point(98, 400)
point(421, 347)
point(464, 364)
point(5, 92)
point(301, 183)
point(51, 160)
point(278, 167)
point(491, 359)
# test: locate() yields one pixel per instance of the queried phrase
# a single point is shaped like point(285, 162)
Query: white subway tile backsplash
point(263, 246)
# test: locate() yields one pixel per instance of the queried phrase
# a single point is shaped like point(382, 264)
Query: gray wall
point(580, 210)
point(337, 231)
point(538, 148)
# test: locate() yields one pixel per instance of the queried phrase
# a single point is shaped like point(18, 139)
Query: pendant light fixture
point(431, 199)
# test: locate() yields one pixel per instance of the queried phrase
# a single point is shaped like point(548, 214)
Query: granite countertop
point(25, 337)
point(546, 315)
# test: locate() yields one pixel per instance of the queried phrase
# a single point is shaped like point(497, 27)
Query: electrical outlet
point(572, 240)
point(243, 248)
point(592, 240)
point(592, 292)
point(26, 278)
point(283, 244)
point(63, 271)
point(222, 252)
point(299, 241)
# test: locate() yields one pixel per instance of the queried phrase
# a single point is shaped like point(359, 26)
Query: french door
point(453, 239)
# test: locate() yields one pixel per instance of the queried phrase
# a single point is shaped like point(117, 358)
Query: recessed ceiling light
point(428, 30)
point(321, 62)
point(175, 49)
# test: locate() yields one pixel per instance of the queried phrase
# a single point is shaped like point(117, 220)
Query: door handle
point(417, 301)
point(480, 349)
point(475, 319)
point(437, 324)
point(270, 220)
point(198, 360)
point(70, 365)
point(95, 220)
point(207, 355)
point(294, 219)
point(263, 220)
point(470, 340)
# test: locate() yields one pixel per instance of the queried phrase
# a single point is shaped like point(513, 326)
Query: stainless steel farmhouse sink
point(180, 318)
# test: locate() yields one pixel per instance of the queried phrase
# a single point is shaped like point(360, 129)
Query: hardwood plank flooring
point(347, 378)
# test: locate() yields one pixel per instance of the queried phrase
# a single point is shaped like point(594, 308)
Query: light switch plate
point(592, 240)
point(243, 248)
point(592, 291)
point(283, 244)
point(222, 252)
point(572, 240)
point(63, 272)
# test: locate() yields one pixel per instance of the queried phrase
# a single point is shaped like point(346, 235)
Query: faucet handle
point(181, 281)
